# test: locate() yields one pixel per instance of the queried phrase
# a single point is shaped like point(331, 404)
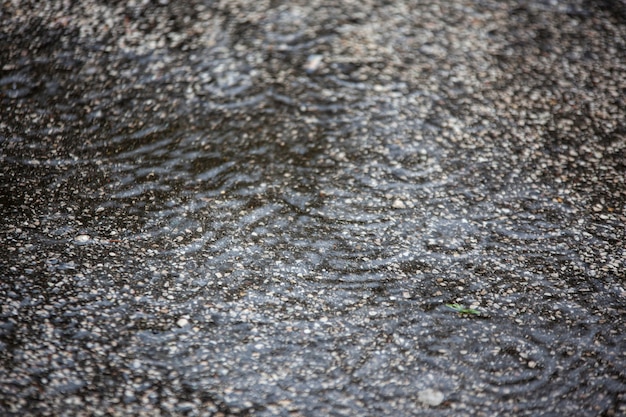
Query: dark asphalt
point(267, 208)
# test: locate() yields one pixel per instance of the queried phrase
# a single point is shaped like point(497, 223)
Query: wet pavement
point(274, 208)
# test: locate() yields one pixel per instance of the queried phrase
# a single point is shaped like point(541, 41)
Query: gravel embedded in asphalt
point(263, 208)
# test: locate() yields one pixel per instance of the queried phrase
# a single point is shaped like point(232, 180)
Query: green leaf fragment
point(462, 309)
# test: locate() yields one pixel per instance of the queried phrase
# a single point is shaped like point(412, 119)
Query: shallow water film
point(306, 208)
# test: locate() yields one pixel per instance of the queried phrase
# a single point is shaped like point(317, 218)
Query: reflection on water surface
point(267, 212)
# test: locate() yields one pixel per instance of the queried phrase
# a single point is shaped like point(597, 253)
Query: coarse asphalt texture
point(259, 208)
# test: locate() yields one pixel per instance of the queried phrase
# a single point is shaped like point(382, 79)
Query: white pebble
point(82, 238)
point(430, 397)
point(398, 204)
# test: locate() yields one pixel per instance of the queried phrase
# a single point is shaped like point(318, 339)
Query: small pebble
point(430, 397)
point(398, 204)
point(82, 238)
point(313, 63)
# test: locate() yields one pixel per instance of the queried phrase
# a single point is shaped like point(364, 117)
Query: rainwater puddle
point(267, 213)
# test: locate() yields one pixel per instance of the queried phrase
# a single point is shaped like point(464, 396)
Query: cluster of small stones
point(218, 304)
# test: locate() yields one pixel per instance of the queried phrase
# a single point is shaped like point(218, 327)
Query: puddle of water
point(270, 216)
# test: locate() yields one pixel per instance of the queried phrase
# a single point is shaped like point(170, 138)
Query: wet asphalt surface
point(268, 208)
